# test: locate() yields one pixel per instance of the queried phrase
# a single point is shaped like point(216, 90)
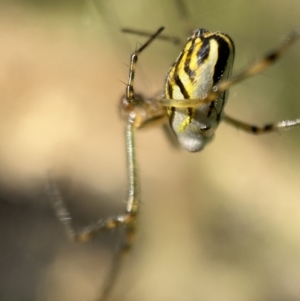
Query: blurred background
point(222, 224)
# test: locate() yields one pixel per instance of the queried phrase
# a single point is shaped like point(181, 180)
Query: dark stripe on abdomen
point(181, 87)
point(223, 56)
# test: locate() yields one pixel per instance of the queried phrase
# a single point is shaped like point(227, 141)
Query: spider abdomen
point(206, 59)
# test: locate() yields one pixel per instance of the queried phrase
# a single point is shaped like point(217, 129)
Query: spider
point(193, 102)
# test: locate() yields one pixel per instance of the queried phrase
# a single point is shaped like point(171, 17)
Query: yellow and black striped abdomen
point(206, 58)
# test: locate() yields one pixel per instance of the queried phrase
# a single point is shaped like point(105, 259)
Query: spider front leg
point(130, 105)
point(127, 220)
point(267, 128)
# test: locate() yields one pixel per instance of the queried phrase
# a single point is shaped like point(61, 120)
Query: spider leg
point(173, 39)
point(127, 220)
point(65, 217)
point(129, 99)
point(133, 203)
point(267, 128)
point(129, 217)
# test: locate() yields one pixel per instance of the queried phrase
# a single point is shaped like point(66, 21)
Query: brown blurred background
point(222, 224)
